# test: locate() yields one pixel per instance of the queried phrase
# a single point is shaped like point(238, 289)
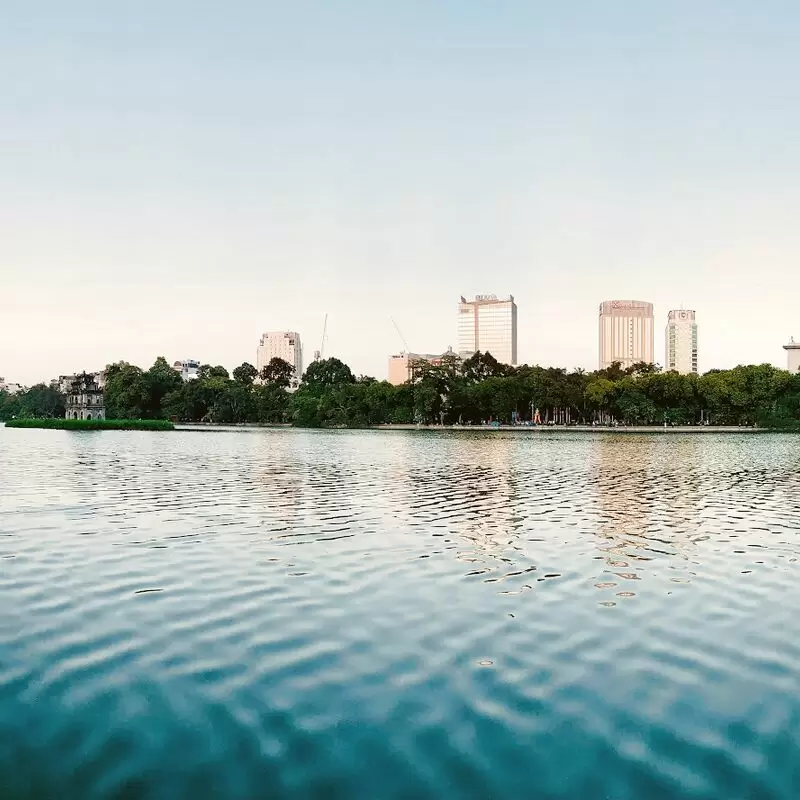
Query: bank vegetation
point(474, 391)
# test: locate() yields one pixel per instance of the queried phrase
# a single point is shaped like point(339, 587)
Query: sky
point(179, 176)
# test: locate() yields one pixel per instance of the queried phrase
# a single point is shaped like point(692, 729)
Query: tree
point(126, 392)
point(233, 404)
point(327, 373)
point(207, 371)
point(278, 373)
point(40, 402)
point(480, 366)
point(270, 403)
point(9, 406)
point(159, 380)
point(245, 374)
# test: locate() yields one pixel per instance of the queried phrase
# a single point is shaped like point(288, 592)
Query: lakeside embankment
point(517, 429)
point(93, 424)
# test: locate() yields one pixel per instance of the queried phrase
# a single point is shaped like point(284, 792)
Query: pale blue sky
point(178, 177)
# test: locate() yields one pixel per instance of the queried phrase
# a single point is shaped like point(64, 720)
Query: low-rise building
point(188, 368)
point(65, 381)
point(84, 399)
point(9, 387)
point(400, 365)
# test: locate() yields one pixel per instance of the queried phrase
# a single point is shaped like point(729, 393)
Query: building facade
point(187, 368)
point(626, 333)
point(488, 324)
point(65, 381)
point(680, 346)
point(400, 365)
point(281, 344)
point(8, 387)
point(792, 355)
point(84, 399)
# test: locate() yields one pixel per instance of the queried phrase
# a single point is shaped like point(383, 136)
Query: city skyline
point(367, 164)
point(287, 344)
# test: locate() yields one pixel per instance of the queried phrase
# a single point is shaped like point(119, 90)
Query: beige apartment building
point(681, 342)
point(281, 344)
point(400, 365)
point(488, 324)
point(626, 333)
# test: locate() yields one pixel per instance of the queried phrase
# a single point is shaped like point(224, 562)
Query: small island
point(97, 424)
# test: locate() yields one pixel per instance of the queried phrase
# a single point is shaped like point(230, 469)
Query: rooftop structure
point(65, 381)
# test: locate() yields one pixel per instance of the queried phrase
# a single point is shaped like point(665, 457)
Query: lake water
point(399, 615)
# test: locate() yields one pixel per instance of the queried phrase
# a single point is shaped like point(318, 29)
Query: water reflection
point(329, 613)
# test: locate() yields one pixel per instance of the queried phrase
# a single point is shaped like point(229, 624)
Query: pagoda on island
point(85, 398)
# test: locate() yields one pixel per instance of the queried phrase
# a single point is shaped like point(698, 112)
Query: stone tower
point(85, 399)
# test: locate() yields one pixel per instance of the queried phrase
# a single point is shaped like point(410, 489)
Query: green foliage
point(479, 390)
point(38, 402)
point(132, 393)
point(327, 374)
point(207, 371)
point(278, 373)
point(245, 374)
point(93, 424)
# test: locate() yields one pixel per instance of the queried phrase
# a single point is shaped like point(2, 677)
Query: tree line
point(467, 392)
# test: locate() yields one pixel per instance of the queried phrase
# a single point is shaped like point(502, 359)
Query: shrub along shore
point(93, 424)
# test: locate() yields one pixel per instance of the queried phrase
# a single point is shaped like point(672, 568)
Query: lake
point(304, 614)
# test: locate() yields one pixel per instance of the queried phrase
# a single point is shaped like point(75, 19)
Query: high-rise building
point(281, 344)
point(488, 324)
point(681, 342)
point(793, 355)
point(626, 333)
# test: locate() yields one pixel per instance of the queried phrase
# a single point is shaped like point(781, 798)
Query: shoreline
point(514, 429)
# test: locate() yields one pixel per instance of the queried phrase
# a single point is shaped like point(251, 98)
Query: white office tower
point(281, 344)
point(488, 324)
point(681, 342)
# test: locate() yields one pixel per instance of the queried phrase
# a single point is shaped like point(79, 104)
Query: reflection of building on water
point(647, 492)
point(464, 486)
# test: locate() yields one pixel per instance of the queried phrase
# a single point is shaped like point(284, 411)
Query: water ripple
point(341, 614)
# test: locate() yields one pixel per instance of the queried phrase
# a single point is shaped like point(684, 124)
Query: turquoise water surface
point(289, 614)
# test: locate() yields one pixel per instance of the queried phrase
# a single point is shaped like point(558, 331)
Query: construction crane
point(400, 334)
point(318, 354)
